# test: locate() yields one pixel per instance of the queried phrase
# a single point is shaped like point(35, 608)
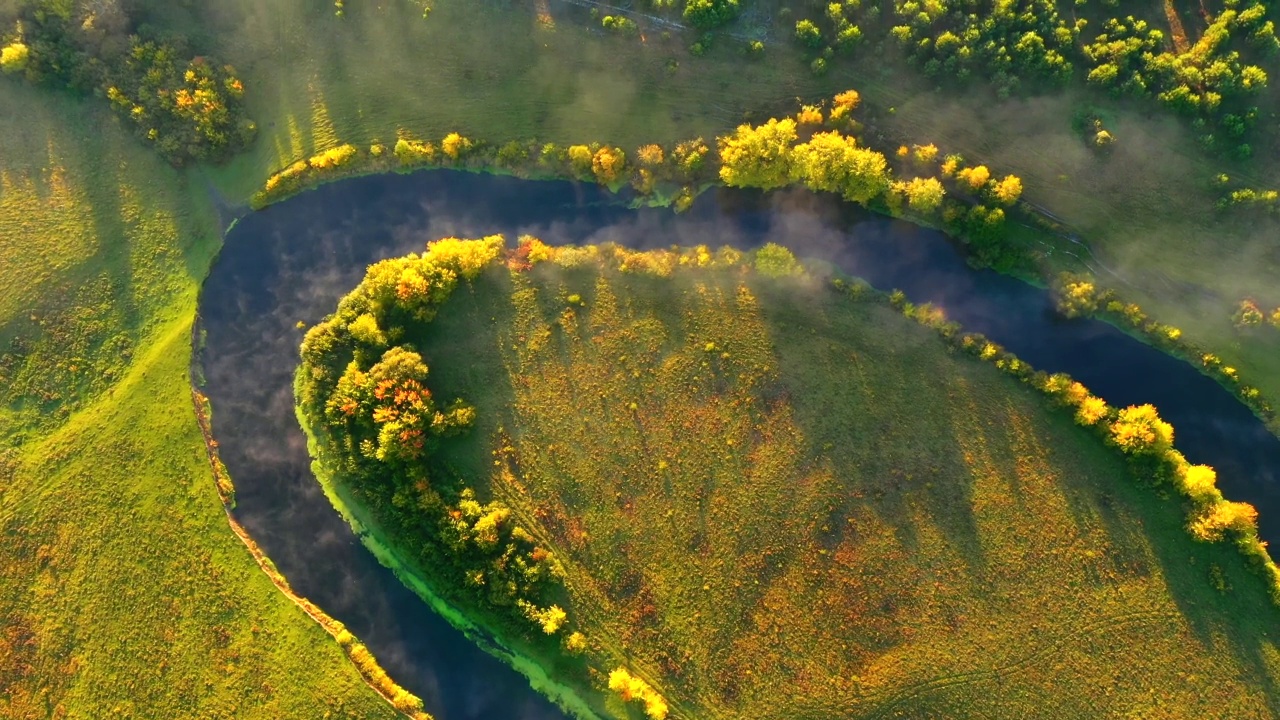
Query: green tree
point(808, 34)
point(775, 260)
point(706, 14)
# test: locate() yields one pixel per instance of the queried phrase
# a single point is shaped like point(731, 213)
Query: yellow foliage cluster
point(651, 154)
point(468, 257)
point(608, 163)
point(287, 176)
point(549, 619)
point(843, 105)
point(925, 154)
point(413, 152)
point(14, 56)
point(951, 164)
point(455, 146)
point(1008, 190)
point(923, 194)
point(333, 158)
point(1223, 517)
point(1139, 430)
point(403, 700)
point(975, 177)
point(809, 115)
point(632, 688)
point(580, 157)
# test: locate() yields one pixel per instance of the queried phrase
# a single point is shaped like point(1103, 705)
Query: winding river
point(292, 262)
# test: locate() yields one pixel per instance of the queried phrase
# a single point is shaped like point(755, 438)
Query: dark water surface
point(293, 261)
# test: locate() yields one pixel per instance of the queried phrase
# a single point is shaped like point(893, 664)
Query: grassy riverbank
point(123, 591)
point(772, 499)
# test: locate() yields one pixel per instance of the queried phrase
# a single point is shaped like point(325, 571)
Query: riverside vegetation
point(103, 247)
point(702, 483)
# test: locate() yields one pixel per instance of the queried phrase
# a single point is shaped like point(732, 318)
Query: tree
point(834, 163)
point(776, 261)
point(14, 57)
point(580, 157)
point(706, 14)
point(651, 155)
point(760, 156)
point(808, 34)
point(608, 163)
point(455, 146)
point(975, 177)
point(1008, 190)
point(1223, 517)
point(1138, 430)
point(923, 194)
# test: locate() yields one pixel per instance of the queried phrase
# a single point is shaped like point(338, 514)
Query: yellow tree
point(1008, 190)
point(834, 163)
point(608, 163)
point(760, 156)
point(14, 56)
point(923, 194)
point(651, 155)
point(976, 177)
point(1139, 431)
point(1240, 518)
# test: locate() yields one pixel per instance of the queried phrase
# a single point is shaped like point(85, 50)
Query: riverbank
point(534, 420)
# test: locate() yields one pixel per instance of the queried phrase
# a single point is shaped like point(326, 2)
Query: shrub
point(1139, 431)
point(1240, 519)
point(412, 152)
point(632, 688)
point(580, 160)
point(808, 34)
point(455, 146)
point(608, 163)
point(14, 57)
point(975, 177)
point(923, 195)
point(1008, 190)
point(651, 155)
point(1247, 314)
point(333, 158)
point(776, 261)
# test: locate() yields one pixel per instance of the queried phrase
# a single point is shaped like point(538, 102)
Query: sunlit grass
point(776, 502)
point(123, 593)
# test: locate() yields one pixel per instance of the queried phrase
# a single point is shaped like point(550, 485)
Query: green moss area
point(123, 592)
point(772, 499)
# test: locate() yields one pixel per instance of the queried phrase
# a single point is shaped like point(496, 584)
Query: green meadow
point(124, 592)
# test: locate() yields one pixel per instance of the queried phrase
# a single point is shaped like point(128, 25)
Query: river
point(292, 262)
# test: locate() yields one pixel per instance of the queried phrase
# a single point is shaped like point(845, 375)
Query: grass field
point(776, 502)
point(123, 593)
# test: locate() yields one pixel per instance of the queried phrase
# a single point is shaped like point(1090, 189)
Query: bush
point(808, 34)
point(13, 57)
